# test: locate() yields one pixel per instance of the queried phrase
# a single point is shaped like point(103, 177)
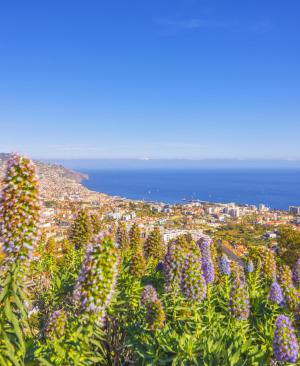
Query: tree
point(81, 231)
point(289, 244)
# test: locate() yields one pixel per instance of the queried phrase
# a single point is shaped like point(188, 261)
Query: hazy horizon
point(150, 79)
point(87, 164)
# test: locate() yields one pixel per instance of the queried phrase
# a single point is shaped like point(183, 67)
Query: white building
point(114, 215)
point(234, 212)
point(263, 207)
point(270, 235)
point(294, 210)
point(173, 234)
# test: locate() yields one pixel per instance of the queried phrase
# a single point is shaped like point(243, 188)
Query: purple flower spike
point(205, 250)
point(296, 274)
point(173, 265)
point(276, 293)
point(285, 345)
point(149, 294)
point(56, 324)
point(207, 264)
point(249, 266)
point(208, 271)
point(224, 265)
point(239, 300)
point(193, 284)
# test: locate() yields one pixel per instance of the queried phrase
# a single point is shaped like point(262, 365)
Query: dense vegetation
point(113, 299)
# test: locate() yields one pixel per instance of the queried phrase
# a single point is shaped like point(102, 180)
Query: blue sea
point(277, 188)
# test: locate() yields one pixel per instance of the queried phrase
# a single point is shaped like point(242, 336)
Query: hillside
point(56, 181)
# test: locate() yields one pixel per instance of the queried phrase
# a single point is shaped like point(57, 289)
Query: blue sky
point(150, 79)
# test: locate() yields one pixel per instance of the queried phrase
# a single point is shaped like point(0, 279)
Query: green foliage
point(247, 233)
point(66, 246)
point(13, 318)
point(172, 331)
point(201, 334)
point(51, 246)
point(289, 244)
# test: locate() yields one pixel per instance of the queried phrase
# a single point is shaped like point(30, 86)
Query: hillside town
point(63, 194)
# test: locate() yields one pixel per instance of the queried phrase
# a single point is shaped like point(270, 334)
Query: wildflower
point(160, 266)
point(208, 271)
point(269, 265)
point(137, 263)
point(285, 345)
point(239, 300)
point(81, 230)
point(249, 266)
point(192, 283)
point(96, 281)
point(56, 324)
point(173, 265)
point(122, 238)
point(224, 265)
point(285, 276)
point(237, 272)
point(297, 315)
point(296, 273)
point(205, 250)
point(135, 236)
point(291, 297)
point(149, 294)
point(155, 315)
point(19, 209)
point(275, 294)
point(184, 245)
point(207, 264)
point(154, 246)
point(273, 362)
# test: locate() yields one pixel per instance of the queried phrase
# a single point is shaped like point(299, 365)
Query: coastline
point(157, 187)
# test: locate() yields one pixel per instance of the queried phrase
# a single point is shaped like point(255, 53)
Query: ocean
point(277, 188)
